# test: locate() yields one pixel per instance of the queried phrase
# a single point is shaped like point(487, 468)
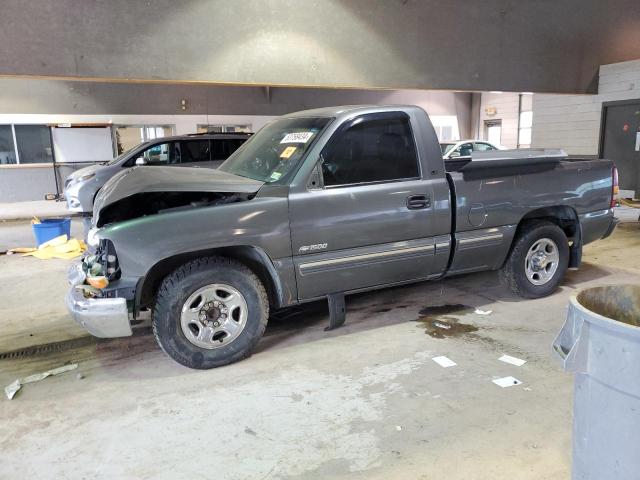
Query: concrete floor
point(364, 401)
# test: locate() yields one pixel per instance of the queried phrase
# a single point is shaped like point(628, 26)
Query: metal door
point(620, 142)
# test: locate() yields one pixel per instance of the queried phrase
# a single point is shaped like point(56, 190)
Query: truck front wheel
point(538, 260)
point(210, 312)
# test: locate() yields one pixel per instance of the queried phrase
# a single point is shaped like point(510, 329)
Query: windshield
point(125, 153)
point(446, 147)
point(273, 154)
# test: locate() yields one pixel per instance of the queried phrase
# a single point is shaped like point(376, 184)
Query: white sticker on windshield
point(297, 137)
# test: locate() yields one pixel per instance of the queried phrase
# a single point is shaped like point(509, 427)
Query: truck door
point(367, 219)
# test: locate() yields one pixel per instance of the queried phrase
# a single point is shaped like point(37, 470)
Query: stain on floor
point(438, 321)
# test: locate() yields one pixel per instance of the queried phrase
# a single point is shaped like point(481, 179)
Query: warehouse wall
point(545, 45)
point(506, 105)
point(26, 96)
point(43, 102)
point(572, 122)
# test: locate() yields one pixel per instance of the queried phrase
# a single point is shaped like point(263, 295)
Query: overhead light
point(527, 93)
point(495, 91)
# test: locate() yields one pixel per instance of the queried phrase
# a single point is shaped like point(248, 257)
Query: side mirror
point(454, 154)
point(141, 161)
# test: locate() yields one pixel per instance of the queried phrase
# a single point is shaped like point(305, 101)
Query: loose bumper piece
point(101, 317)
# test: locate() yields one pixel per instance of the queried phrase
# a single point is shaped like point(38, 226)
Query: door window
point(482, 147)
point(464, 150)
point(161, 154)
point(193, 151)
point(373, 150)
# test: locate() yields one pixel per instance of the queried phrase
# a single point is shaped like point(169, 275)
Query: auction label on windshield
point(297, 137)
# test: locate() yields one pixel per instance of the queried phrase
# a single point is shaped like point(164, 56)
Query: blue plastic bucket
point(51, 228)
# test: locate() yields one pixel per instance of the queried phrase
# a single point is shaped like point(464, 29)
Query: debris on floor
point(505, 382)
point(518, 362)
point(445, 327)
point(11, 389)
point(477, 311)
point(58, 247)
point(444, 362)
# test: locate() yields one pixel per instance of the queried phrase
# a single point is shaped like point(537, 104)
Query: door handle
point(417, 202)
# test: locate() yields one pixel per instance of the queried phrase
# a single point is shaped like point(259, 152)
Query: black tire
point(177, 287)
point(513, 273)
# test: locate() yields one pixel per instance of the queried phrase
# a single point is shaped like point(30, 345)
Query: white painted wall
point(506, 105)
point(572, 122)
point(183, 124)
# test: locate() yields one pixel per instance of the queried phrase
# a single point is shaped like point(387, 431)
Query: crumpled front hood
point(170, 179)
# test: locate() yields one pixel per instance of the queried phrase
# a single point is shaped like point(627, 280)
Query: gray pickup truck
point(320, 204)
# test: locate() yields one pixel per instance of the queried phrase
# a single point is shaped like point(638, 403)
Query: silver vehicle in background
point(207, 150)
point(464, 148)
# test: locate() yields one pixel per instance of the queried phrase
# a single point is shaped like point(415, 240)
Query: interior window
point(162, 154)
point(371, 151)
point(34, 144)
point(194, 151)
point(483, 147)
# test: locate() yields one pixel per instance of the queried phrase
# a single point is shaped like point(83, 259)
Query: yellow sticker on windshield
point(287, 152)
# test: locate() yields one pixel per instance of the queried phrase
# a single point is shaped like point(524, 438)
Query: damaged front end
point(96, 271)
point(151, 203)
point(142, 191)
point(93, 305)
point(104, 285)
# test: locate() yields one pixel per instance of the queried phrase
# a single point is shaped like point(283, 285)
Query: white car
point(464, 148)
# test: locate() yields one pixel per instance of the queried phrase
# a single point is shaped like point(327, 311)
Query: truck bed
point(490, 199)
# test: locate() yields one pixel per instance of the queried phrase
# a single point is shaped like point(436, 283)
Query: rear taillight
point(615, 189)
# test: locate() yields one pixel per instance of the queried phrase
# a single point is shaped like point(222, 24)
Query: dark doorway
point(620, 141)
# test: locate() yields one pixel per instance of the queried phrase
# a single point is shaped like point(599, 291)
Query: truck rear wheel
point(210, 312)
point(538, 260)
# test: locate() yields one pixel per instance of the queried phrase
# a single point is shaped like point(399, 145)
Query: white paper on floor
point(444, 361)
point(518, 362)
point(477, 311)
point(506, 382)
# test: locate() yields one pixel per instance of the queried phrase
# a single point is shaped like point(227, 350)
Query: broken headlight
point(107, 258)
point(93, 237)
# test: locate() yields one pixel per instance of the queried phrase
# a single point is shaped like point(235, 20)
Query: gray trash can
point(600, 344)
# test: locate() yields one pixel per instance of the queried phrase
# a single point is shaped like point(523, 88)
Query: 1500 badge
point(312, 248)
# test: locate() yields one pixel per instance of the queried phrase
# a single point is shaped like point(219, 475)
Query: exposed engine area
point(151, 203)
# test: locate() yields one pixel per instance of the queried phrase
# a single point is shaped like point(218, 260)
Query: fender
point(277, 276)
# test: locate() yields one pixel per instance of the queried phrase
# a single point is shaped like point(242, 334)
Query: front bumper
point(101, 317)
